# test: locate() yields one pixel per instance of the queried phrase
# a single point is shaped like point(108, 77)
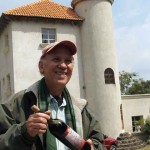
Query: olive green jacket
point(14, 113)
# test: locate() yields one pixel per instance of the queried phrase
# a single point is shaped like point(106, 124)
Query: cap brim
point(71, 46)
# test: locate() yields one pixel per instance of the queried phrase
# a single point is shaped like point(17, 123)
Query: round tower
point(101, 77)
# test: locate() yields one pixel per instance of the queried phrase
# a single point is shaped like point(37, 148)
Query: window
point(136, 119)
point(109, 76)
point(6, 41)
point(3, 82)
point(48, 35)
point(0, 91)
point(8, 90)
point(6, 44)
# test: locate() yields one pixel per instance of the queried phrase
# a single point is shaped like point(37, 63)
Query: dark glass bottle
point(67, 135)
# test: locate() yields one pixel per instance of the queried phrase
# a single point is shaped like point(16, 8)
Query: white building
point(134, 108)
point(25, 30)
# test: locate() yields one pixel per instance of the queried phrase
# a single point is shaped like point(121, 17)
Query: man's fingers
point(37, 123)
point(43, 115)
point(89, 141)
point(48, 112)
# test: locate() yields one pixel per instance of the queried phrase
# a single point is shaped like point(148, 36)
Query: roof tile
point(45, 8)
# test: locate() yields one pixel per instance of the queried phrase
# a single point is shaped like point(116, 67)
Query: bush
point(146, 127)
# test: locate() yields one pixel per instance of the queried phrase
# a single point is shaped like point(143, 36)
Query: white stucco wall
point(134, 105)
point(6, 63)
point(24, 52)
point(99, 53)
point(27, 38)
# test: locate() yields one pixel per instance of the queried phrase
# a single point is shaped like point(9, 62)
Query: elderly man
point(21, 128)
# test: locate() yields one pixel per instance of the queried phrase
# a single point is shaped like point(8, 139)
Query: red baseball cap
point(51, 46)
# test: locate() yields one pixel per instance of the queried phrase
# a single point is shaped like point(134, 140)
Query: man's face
point(57, 66)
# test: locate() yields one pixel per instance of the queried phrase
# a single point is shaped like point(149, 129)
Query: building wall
point(21, 62)
point(6, 64)
point(134, 105)
point(25, 52)
point(99, 53)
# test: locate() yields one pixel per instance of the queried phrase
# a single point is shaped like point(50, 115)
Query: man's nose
point(63, 64)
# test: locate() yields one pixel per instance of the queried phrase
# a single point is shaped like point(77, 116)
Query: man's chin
point(62, 82)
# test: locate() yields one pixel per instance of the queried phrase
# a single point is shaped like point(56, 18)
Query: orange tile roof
point(45, 9)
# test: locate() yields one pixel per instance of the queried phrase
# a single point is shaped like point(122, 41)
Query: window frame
point(6, 43)
point(134, 119)
point(109, 76)
point(48, 35)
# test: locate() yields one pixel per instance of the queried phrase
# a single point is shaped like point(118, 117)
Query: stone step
point(131, 147)
point(127, 141)
point(123, 143)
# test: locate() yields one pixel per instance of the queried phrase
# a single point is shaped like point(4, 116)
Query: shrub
point(146, 127)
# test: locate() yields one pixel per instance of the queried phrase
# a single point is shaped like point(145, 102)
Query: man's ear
point(41, 67)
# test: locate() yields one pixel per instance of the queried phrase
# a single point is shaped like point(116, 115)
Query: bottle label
point(71, 136)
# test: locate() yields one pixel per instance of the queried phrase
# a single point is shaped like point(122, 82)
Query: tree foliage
point(140, 87)
point(131, 84)
point(146, 127)
point(126, 79)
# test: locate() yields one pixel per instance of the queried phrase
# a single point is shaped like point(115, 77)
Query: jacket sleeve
point(13, 133)
point(91, 129)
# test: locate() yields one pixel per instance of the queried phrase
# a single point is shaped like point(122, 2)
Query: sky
point(131, 28)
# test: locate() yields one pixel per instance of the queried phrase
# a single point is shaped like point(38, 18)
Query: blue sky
point(132, 32)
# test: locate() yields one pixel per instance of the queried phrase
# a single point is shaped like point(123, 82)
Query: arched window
point(109, 76)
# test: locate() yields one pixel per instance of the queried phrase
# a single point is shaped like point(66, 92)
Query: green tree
point(126, 79)
point(131, 84)
point(140, 87)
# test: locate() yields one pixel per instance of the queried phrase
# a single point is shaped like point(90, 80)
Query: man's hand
point(91, 143)
point(37, 123)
